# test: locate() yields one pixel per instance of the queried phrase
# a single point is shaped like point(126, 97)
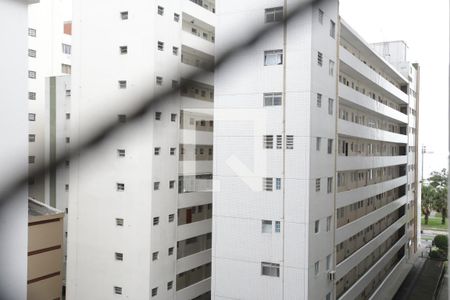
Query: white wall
point(14, 128)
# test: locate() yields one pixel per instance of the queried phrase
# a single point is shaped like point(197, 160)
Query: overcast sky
point(424, 26)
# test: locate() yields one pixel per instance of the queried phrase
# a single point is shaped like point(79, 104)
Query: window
point(331, 67)
point(66, 49)
point(266, 226)
point(31, 117)
point(174, 84)
point(66, 69)
point(170, 251)
point(158, 115)
point(122, 118)
point(268, 141)
point(67, 116)
point(175, 50)
point(328, 296)
point(123, 50)
point(160, 10)
point(31, 137)
point(68, 93)
point(67, 139)
point(328, 262)
point(31, 53)
point(160, 46)
point(329, 185)
point(316, 226)
point(274, 14)
point(119, 222)
point(267, 184)
point(332, 29)
point(318, 143)
point(156, 185)
point(169, 285)
point(330, 146)
point(31, 96)
point(319, 58)
point(273, 57)
point(124, 15)
point(316, 268)
point(31, 159)
point(32, 74)
point(270, 269)
point(272, 99)
point(118, 256)
point(32, 32)
point(171, 218)
point(67, 163)
point(277, 226)
point(173, 117)
point(320, 16)
point(122, 84)
point(330, 106)
point(171, 184)
point(66, 187)
point(319, 100)
point(157, 150)
point(155, 221)
point(121, 152)
point(278, 183)
point(176, 17)
point(279, 142)
point(154, 291)
point(317, 184)
point(120, 186)
point(159, 80)
point(117, 290)
point(328, 223)
point(172, 151)
point(155, 255)
point(289, 142)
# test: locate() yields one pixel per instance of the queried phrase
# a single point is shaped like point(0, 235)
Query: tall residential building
point(140, 204)
point(49, 52)
point(315, 159)
point(45, 251)
point(13, 161)
point(57, 144)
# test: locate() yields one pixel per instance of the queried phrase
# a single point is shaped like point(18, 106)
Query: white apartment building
point(140, 204)
point(49, 52)
point(315, 163)
point(13, 127)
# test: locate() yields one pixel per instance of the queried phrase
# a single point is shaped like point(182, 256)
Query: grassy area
point(434, 223)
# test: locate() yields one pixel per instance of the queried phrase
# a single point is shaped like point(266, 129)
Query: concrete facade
point(140, 206)
point(45, 251)
point(315, 159)
point(13, 124)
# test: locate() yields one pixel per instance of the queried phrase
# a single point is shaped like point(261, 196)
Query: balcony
point(194, 198)
point(194, 229)
point(194, 290)
point(352, 97)
point(356, 289)
point(359, 255)
point(198, 34)
point(364, 132)
point(193, 261)
point(195, 167)
point(350, 62)
point(355, 195)
point(348, 163)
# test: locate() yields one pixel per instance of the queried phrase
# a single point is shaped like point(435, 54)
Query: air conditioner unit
point(331, 275)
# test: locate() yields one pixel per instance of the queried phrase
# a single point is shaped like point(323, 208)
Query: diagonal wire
point(107, 129)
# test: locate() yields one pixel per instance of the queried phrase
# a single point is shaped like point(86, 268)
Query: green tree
point(438, 182)
point(427, 201)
